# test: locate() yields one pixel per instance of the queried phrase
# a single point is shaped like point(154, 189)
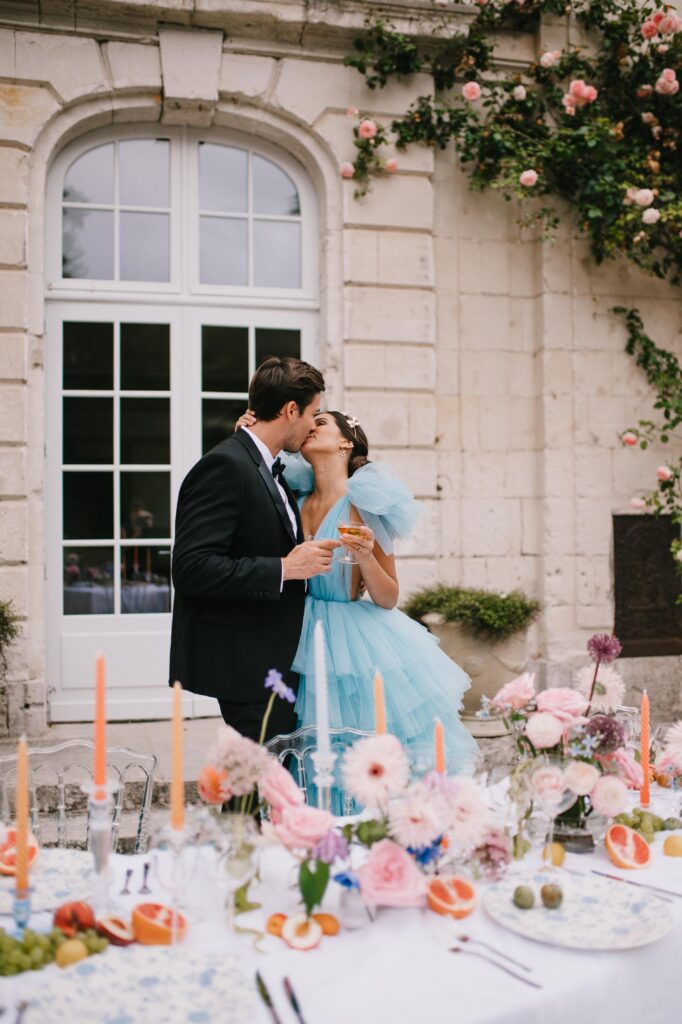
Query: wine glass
point(551, 794)
point(349, 530)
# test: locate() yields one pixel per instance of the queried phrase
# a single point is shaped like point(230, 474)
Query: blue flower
point(274, 682)
point(425, 854)
point(347, 879)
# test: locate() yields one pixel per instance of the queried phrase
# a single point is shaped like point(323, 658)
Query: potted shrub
point(9, 630)
point(486, 633)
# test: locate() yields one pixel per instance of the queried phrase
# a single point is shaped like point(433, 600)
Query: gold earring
point(342, 452)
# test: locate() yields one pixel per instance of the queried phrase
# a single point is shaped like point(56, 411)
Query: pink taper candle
point(177, 796)
point(439, 746)
point(21, 877)
point(379, 704)
point(100, 757)
point(644, 751)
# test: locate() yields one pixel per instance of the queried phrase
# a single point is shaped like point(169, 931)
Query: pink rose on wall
point(550, 58)
point(517, 693)
point(629, 439)
point(471, 91)
point(301, 827)
point(391, 165)
point(347, 170)
point(367, 129)
point(279, 790)
point(644, 91)
point(638, 503)
point(643, 196)
point(664, 474)
point(544, 730)
point(519, 93)
point(670, 24)
point(651, 216)
point(352, 111)
point(562, 702)
point(528, 178)
point(390, 877)
point(667, 84)
point(649, 30)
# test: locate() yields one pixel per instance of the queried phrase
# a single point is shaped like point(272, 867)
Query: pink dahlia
point(609, 688)
point(416, 819)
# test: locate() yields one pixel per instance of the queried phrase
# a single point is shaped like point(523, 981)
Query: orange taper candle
point(379, 704)
point(21, 877)
point(100, 757)
point(177, 796)
point(644, 751)
point(439, 746)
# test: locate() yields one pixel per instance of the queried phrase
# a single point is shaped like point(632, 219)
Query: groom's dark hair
point(279, 380)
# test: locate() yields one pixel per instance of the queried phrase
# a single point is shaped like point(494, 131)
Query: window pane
point(144, 172)
point(222, 178)
point(277, 254)
point(88, 244)
point(218, 417)
point(88, 505)
point(145, 244)
point(273, 190)
point(145, 505)
point(88, 357)
point(223, 251)
point(145, 357)
point(88, 430)
point(270, 342)
point(90, 178)
point(224, 358)
point(145, 430)
point(145, 580)
point(88, 581)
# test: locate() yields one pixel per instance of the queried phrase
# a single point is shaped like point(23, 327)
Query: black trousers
point(248, 718)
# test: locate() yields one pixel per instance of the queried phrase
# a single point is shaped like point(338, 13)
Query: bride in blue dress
point(356, 604)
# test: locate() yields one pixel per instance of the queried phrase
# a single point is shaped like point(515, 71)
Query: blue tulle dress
point(420, 682)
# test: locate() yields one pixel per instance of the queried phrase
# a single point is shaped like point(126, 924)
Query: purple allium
point(274, 682)
point(494, 853)
point(603, 648)
point(330, 847)
point(609, 732)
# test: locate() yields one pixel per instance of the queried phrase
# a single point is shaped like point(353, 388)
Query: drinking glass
point(349, 530)
point(551, 796)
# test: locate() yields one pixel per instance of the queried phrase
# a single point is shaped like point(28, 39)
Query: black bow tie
point(278, 468)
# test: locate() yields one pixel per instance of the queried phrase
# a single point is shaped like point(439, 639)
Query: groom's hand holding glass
point(312, 558)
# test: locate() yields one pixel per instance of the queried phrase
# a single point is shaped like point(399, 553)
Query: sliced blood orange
point(8, 852)
point(455, 896)
point(157, 925)
point(626, 848)
point(275, 924)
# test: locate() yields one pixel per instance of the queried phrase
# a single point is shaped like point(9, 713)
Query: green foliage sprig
point(9, 629)
point(487, 614)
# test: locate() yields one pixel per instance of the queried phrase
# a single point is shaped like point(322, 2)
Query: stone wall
point(484, 365)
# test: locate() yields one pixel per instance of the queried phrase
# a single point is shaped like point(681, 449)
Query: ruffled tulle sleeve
point(384, 503)
point(298, 473)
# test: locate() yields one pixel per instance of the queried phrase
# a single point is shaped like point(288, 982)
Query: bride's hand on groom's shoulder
point(312, 558)
point(247, 419)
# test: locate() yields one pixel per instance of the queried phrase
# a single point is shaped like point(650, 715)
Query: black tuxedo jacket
point(231, 623)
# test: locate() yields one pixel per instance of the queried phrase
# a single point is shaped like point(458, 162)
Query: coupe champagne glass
point(349, 530)
point(551, 795)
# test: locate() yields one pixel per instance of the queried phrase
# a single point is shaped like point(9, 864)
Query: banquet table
point(397, 968)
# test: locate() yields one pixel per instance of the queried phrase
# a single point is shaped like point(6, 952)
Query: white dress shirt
point(268, 459)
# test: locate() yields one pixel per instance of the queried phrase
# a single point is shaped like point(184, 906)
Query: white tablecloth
point(399, 970)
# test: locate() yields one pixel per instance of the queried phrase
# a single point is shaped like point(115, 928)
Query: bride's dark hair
point(357, 437)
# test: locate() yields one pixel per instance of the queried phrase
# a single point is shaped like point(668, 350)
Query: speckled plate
point(57, 876)
point(595, 913)
point(145, 985)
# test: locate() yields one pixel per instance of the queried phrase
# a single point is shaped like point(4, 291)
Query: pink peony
point(651, 216)
point(301, 827)
point(528, 178)
point(390, 878)
point(519, 93)
point(347, 170)
point(562, 702)
point(367, 129)
point(580, 777)
point(622, 763)
point(609, 796)
point(517, 693)
point(278, 788)
point(214, 785)
point(391, 165)
point(471, 91)
point(548, 784)
point(375, 769)
point(544, 730)
point(629, 439)
point(664, 474)
point(549, 59)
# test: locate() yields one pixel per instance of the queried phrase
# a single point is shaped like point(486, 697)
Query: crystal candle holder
point(100, 819)
point(21, 912)
point(324, 777)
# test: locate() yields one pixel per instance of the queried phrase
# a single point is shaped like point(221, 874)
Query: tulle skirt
point(420, 682)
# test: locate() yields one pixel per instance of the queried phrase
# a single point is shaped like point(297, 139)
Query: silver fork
point(492, 949)
point(125, 891)
point(496, 963)
point(144, 890)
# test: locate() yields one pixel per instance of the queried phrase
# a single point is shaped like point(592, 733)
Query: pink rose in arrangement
point(550, 58)
point(664, 474)
point(516, 694)
point(301, 827)
point(548, 784)
point(623, 764)
point(347, 170)
point(367, 129)
point(528, 178)
point(609, 796)
point(390, 877)
point(629, 439)
point(471, 91)
point(278, 788)
point(580, 777)
point(562, 702)
point(544, 730)
point(651, 216)
point(391, 165)
point(214, 785)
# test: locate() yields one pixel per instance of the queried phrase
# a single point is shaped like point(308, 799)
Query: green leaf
point(313, 877)
point(242, 903)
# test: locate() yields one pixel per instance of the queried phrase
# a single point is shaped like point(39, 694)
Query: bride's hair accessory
point(353, 422)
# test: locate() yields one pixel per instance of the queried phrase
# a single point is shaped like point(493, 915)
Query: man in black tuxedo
point(240, 559)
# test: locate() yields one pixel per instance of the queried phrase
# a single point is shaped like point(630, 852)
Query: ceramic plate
point(141, 985)
point(595, 913)
point(58, 876)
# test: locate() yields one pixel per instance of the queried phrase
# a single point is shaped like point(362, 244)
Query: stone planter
point(490, 666)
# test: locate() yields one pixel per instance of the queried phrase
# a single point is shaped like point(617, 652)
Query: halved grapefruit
point(8, 852)
point(455, 896)
point(626, 848)
point(157, 925)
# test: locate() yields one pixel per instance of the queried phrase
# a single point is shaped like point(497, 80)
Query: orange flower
point(214, 785)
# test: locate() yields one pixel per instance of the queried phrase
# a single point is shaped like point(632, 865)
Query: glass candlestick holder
point(21, 911)
point(324, 777)
point(100, 820)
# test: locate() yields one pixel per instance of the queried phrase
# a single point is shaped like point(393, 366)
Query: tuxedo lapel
point(297, 512)
point(270, 484)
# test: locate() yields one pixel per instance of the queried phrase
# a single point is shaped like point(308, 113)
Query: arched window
point(176, 262)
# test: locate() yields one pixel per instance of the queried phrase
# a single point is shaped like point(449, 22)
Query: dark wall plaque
point(646, 584)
